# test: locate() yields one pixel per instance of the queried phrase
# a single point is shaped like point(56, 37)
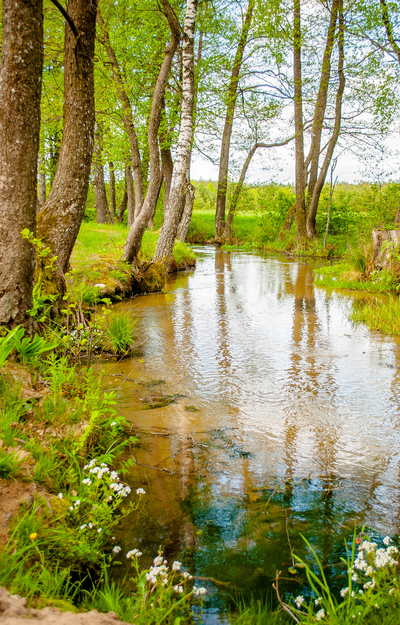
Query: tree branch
point(67, 17)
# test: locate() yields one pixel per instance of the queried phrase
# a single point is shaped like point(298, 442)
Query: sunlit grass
point(378, 315)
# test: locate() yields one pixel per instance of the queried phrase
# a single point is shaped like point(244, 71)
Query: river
point(284, 419)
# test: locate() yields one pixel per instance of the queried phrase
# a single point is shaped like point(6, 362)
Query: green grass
point(202, 227)
point(97, 260)
point(383, 316)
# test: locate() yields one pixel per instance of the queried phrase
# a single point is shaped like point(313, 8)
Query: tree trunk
point(311, 231)
point(42, 188)
point(186, 218)
point(136, 232)
point(232, 208)
point(150, 224)
point(113, 205)
point(167, 167)
point(123, 205)
point(165, 244)
point(20, 89)
point(128, 118)
point(131, 195)
point(287, 224)
point(298, 123)
point(59, 221)
point(320, 106)
point(227, 133)
point(101, 203)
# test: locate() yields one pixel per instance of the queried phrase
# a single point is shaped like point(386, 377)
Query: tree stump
point(384, 242)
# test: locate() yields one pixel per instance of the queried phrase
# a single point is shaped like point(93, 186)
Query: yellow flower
point(33, 536)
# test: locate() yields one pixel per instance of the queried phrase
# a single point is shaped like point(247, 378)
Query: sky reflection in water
point(296, 416)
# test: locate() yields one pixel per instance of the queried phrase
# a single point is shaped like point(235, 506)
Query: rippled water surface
point(283, 419)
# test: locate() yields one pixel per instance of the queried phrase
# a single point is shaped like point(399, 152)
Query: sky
point(278, 165)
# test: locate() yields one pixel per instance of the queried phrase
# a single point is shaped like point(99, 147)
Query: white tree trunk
point(166, 241)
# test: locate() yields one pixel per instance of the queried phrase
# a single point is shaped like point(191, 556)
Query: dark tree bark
point(101, 203)
point(113, 205)
point(227, 133)
point(298, 125)
point(42, 189)
point(60, 220)
point(287, 224)
point(123, 205)
point(128, 117)
point(320, 107)
point(20, 89)
point(55, 144)
point(165, 244)
point(319, 184)
point(136, 232)
point(130, 195)
point(167, 167)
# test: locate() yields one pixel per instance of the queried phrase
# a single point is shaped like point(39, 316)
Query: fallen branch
point(149, 466)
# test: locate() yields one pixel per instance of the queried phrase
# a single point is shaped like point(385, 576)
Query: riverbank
point(64, 455)
point(232, 453)
point(98, 270)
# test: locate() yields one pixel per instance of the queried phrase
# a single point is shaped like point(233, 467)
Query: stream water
point(261, 413)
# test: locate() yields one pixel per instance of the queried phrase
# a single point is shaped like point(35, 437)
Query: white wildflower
point(354, 577)
point(134, 553)
point(82, 527)
point(90, 525)
point(369, 571)
point(317, 601)
point(71, 508)
point(59, 496)
point(87, 481)
point(387, 540)
point(187, 575)
point(176, 566)
point(178, 589)
point(114, 475)
point(344, 592)
point(158, 560)
point(116, 549)
point(391, 591)
point(299, 601)
point(140, 491)
point(113, 423)
point(99, 530)
point(77, 503)
point(320, 615)
point(200, 591)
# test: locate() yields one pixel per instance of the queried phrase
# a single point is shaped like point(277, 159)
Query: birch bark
point(166, 240)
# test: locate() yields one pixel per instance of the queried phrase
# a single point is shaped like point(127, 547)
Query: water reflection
point(287, 421)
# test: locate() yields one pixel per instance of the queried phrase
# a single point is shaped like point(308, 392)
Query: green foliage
point(381, 315)
point(29, 349)
point(10, 464)
point(121, 332)
point(7, 343)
